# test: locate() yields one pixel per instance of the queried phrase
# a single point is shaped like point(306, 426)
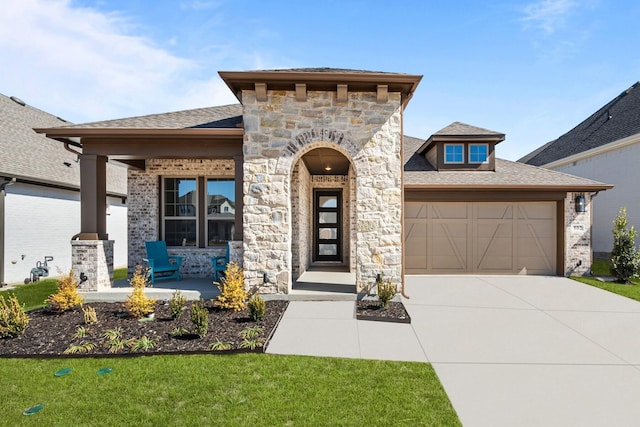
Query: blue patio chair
point(162, 266)
point(220, 263)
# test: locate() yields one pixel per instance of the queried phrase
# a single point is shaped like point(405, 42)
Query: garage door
point(480, 237)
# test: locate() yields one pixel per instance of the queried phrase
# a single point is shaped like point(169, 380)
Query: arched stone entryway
point(323, 200)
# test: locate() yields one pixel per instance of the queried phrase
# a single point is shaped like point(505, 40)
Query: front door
point(327, 225)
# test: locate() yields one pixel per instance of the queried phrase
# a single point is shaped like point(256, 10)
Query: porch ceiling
point(325, 161)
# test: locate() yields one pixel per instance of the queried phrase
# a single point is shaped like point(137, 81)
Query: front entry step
point(326, 282)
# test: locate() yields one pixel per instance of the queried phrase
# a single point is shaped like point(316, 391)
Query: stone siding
point(577, 236)
point(144, 209)
point(94, 260)
point(278, 133)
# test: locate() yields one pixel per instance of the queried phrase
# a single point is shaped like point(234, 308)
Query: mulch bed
point(50, 334)
point(371, 310)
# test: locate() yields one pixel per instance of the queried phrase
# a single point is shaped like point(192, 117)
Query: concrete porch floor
point(311, 286)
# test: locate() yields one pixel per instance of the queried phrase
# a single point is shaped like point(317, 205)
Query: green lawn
point(600, 268)
point(233, 390)
point(33, 295)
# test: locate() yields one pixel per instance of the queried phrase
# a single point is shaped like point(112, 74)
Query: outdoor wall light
point(580, 204)
point(265, 279)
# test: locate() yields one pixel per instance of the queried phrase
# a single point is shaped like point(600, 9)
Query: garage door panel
point(541, 210)
point(494, 211)
point(482, 237)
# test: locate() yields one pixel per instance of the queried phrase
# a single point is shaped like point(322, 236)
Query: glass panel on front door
point(327, 225)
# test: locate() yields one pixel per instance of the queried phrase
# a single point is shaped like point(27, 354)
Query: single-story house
point(319, 174)
point(40, 195)
point(604, 147)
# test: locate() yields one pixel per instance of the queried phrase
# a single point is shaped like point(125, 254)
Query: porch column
point(93, 197)
point(239, 180)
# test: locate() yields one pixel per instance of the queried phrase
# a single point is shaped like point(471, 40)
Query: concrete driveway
point(509, 350)
point(530, 351)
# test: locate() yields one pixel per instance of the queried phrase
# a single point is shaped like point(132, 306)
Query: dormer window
point(454, 153)
point(478, 153)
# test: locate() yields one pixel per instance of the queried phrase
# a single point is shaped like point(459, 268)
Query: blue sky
point(532, 69)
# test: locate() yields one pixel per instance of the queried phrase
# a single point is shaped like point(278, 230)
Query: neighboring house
point(41, 211)
point(319, 175)
point(604, 147)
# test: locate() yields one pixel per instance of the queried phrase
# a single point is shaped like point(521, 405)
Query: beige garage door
point(480, 237)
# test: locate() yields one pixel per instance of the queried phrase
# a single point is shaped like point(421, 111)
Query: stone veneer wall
point(144, 210)
point(278, 132)
point(94, 259)
point(577, 236)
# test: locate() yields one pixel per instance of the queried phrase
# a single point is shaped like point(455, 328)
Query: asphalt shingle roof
point(419, 172)
point(225, 116)
point(30, 156)
point(463, 129)
point(618, 119)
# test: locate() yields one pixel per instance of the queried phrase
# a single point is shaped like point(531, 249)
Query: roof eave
point(460, 187)
point(239, 80)
point(138, 132)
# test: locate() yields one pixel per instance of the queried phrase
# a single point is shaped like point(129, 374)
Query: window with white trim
point(453, 153)
point(184, 220)
point(478, 153)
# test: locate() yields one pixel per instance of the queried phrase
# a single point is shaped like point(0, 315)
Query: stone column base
point(92, 262)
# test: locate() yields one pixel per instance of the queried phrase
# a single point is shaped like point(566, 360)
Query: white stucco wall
point(620, 168)
point(40, 222)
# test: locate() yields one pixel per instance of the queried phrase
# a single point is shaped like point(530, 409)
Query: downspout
point(2, 219)
point(591, 197)
point(403, 292)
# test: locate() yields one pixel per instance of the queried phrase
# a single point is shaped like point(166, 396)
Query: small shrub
point(114, 339)
point(90, 316)
point(177, 304)
point(80, 348)
point(232, 296)
point(257, 308)
point(143, 344)
point(67, 296)
point(81, 332)
point(137, 304)
point(178, 332)
point(220, 345)
point(200, 319)
point(625, 259)
point(386, 291)
point(250, 338)
point(13, 319)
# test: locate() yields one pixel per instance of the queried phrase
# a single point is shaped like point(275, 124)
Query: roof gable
point(616, 120)
point(33, 157)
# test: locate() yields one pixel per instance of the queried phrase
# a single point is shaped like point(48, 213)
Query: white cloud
point(548, 15)
point(84, 65)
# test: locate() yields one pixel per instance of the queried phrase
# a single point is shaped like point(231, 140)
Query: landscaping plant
point(89, 314)
point(386, 291)
point(625, 259)
point(200, 319)
point(13, 319)
point(137, 304)
point(177, 304)
point(257, 308)
point(233, 295)
point(67, 296)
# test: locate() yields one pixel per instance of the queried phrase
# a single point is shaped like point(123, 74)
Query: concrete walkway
point(509, 350)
